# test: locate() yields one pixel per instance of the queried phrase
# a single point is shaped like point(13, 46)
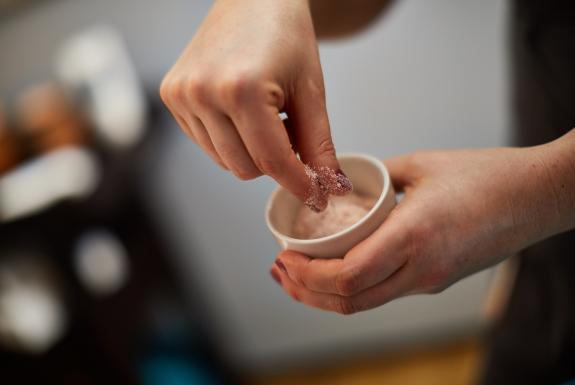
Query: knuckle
point(246, 174)
point(239, 87)
point(344, 305)
point(269, 166)
point(414, 161)
point(172, 91)
point(177, 90)
point(347, 282)
point(197, 89)
point(315, 88)
point(326, 148)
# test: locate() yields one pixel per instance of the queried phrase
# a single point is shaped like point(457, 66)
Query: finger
point(399, 284)
point(198, 138)
point(310, 125)
point(401, 171)
point(314, 273)
point(193, 128)
point(368, 263)
point(182, 123)
point(267, 142)
point(311, 136)
point(198, 132)
point(229, 145)
point(184, 126)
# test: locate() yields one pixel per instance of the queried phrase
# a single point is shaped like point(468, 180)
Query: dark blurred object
point(11, 7)
point(122, 335)
point(48, 117)
point(73, 205)
point(7, 5)
point(170, 354)
point(534, 341)
point(9, 146)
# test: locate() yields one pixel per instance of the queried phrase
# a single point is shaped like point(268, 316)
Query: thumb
point(311, 135)
point(401, 171)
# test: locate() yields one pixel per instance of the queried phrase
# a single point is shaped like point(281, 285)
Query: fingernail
point(281, 266)
point(276, 276)
point(344, 185)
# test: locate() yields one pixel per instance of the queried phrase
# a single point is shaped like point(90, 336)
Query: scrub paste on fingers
point(324, 182)
point(325, 215)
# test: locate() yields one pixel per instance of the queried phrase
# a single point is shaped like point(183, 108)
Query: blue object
point(173, 370)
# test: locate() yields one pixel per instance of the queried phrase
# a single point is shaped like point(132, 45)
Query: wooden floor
point(456, 364)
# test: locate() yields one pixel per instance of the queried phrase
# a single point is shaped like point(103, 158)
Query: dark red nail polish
point(281, 266)
point(276, 276)
point(344, 185)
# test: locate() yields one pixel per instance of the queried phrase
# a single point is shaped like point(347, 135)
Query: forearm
point(337, 18)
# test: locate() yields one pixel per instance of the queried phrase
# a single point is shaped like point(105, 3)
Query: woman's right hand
point(249, 61)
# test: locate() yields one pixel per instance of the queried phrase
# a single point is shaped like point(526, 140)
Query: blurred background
point(127, 257)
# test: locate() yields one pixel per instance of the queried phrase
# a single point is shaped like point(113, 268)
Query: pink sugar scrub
point(324, 182)
point(341, 213)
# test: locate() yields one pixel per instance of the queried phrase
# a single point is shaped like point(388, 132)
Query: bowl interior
point(367, 179)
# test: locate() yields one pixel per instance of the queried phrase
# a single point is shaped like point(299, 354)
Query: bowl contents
point(341, 212)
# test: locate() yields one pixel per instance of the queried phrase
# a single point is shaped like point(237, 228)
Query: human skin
point(241, 69)
point(463, 211)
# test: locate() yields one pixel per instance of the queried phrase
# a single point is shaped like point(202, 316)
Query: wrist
point(557, 159)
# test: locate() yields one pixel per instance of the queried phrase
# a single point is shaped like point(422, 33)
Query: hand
point(463, 211)
point(250, 60)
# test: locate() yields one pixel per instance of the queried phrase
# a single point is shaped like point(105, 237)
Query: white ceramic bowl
point(369, 177)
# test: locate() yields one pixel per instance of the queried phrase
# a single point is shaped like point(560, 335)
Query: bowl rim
point(384, 192)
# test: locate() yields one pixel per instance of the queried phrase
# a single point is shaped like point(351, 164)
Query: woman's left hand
point(463, 211)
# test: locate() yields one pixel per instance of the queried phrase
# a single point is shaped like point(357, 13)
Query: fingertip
point(338, 183)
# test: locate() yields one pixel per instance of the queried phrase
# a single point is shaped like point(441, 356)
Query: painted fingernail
point(281, 266)
point(343, 185)
point(276, 276)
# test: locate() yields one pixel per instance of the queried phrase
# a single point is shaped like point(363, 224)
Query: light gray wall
point(155, 32)
point(431, 75)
